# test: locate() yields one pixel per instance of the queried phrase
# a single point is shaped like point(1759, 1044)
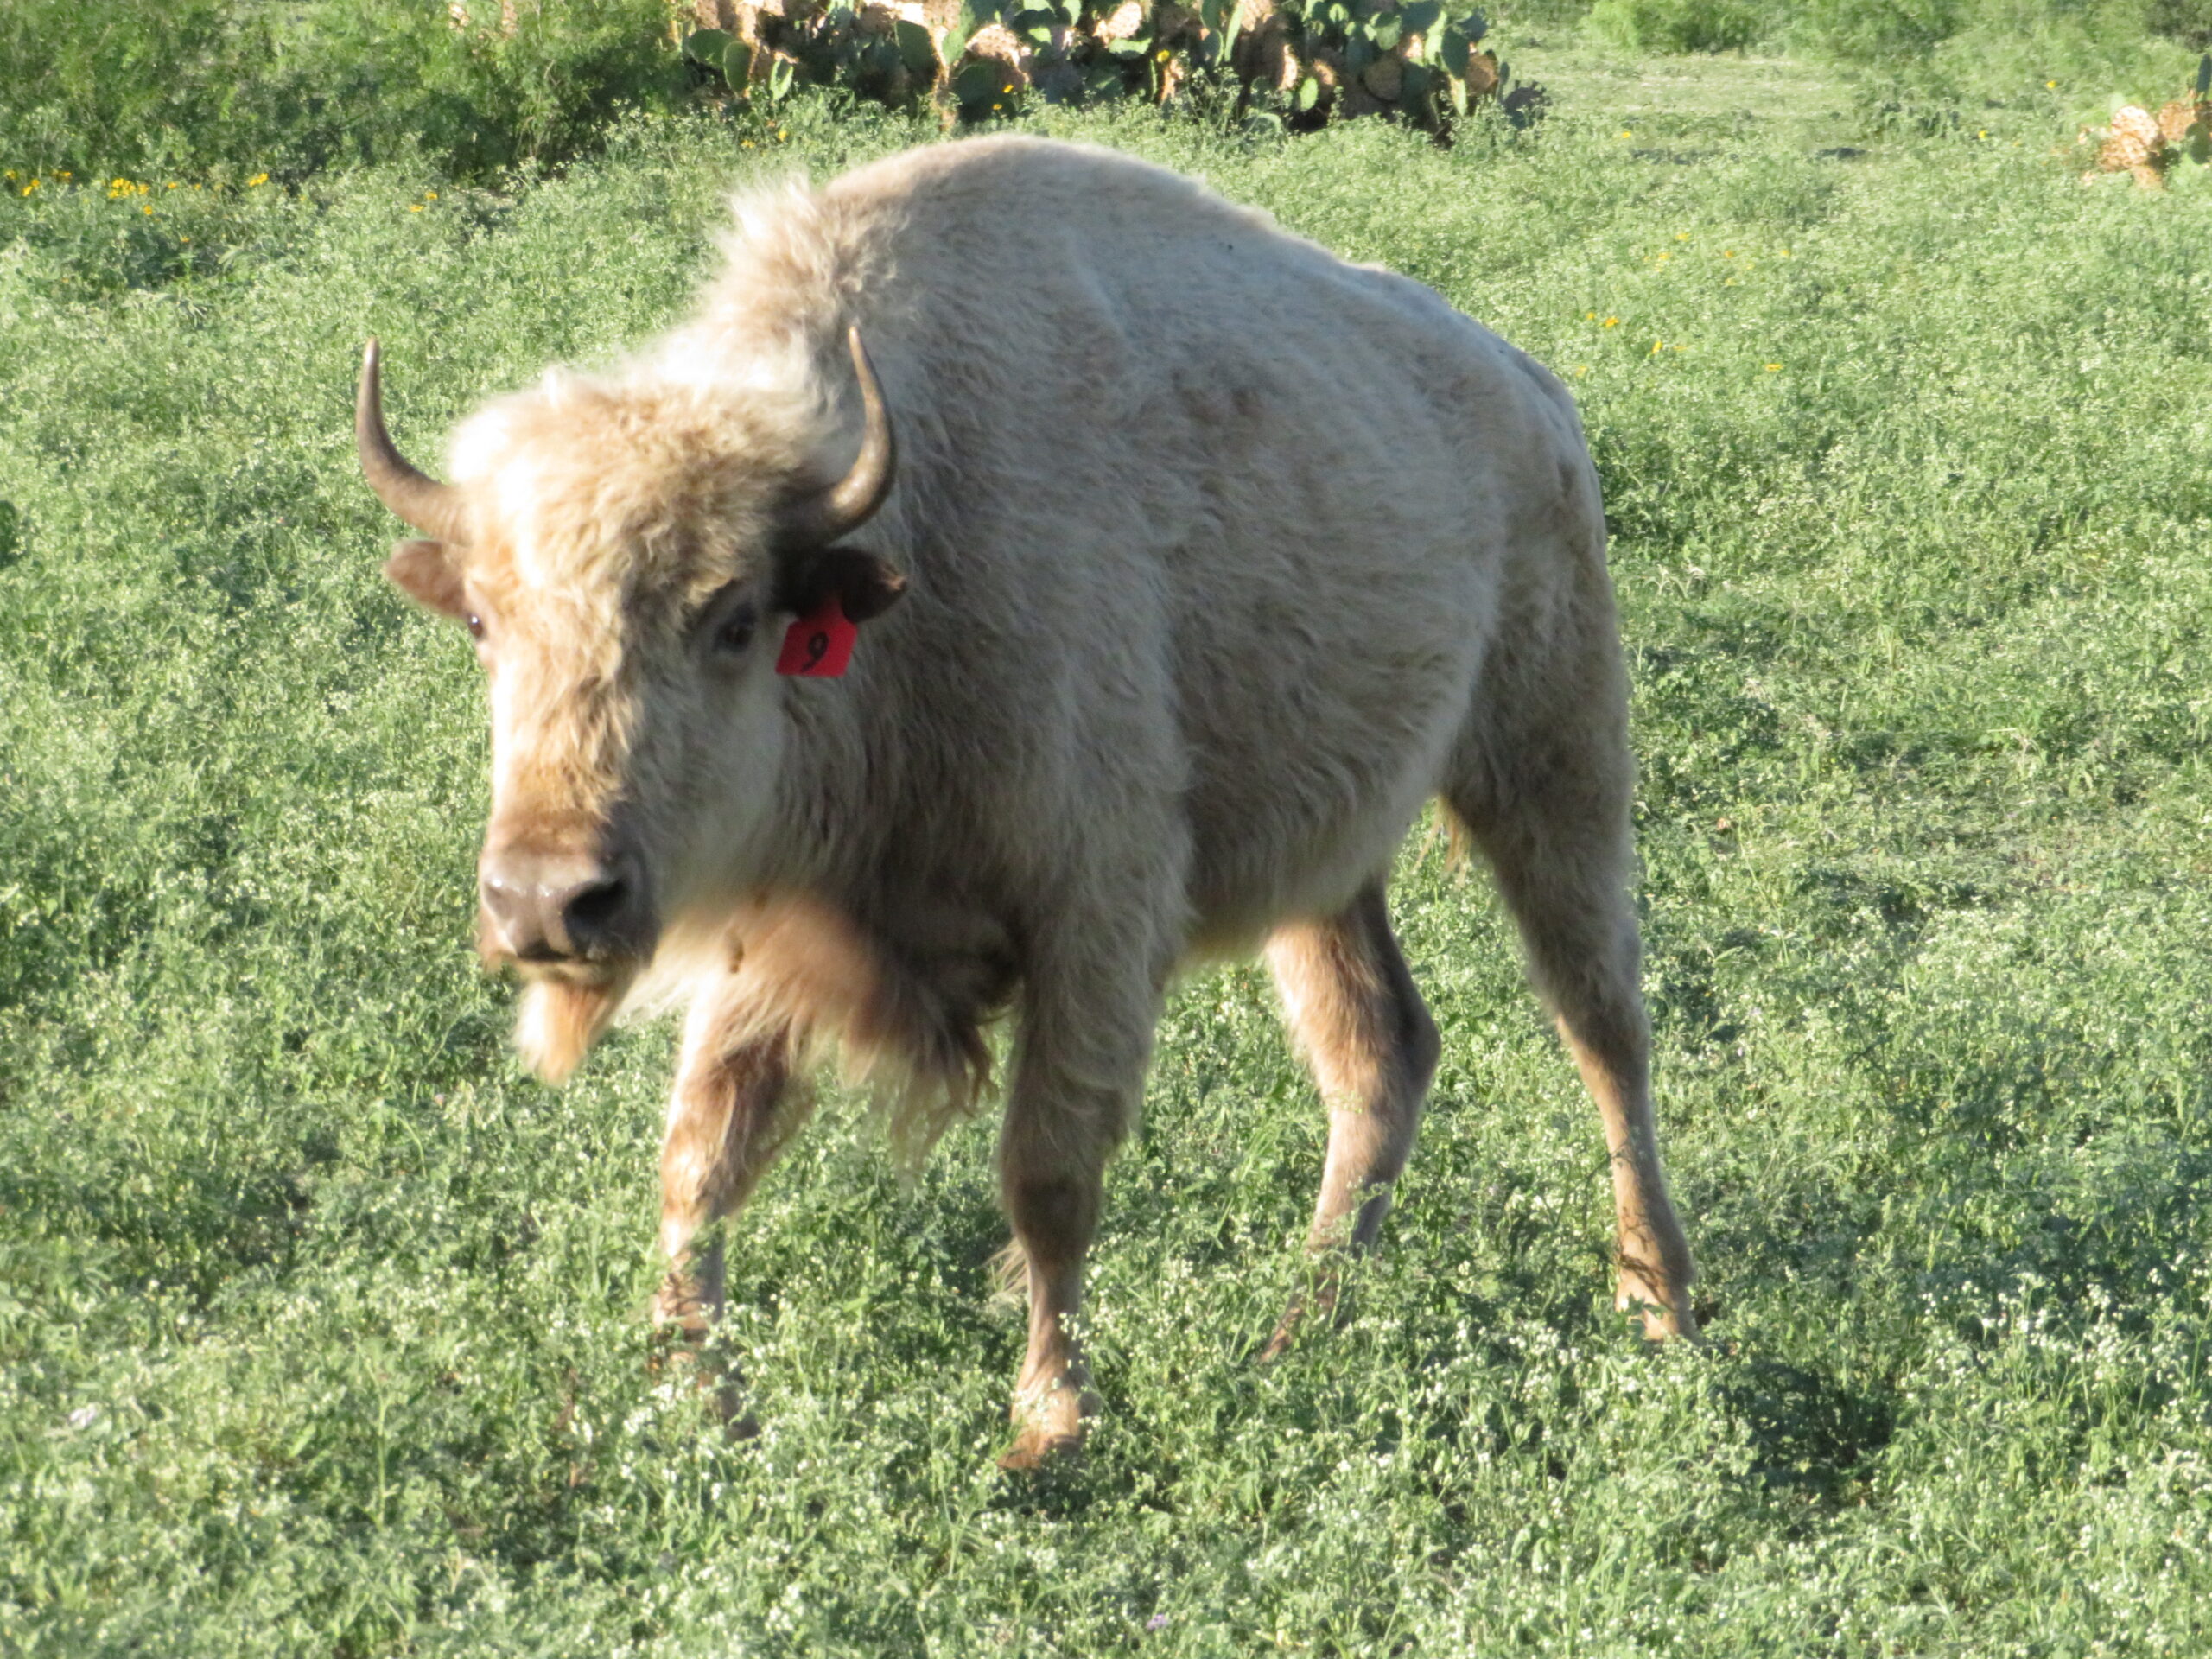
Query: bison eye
point(475, 624)
point(737, 629)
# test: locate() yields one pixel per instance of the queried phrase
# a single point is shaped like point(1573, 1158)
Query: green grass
point(322, 1328)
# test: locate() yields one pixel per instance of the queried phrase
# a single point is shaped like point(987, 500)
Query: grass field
point(322, 1328)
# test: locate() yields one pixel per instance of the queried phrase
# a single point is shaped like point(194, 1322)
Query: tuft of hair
point(1461, 850)
point(1009, 1271)
point(912, 1034)
point(560, 1022)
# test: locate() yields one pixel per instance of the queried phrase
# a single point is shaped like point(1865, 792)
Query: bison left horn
point(437, 510)
point(819, 521)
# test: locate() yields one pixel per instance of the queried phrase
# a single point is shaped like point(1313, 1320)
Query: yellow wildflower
point(258, 178)
point(1612, 322)
point(2051, 86)
point(414, 206)
point(1774, 368)
point(430, 196)
point(1682, 236)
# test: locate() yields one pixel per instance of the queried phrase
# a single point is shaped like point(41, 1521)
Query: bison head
point(622, 553)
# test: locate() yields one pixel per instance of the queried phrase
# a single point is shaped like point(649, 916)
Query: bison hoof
point(720, 1386)
point(1666, 1318)
point(1285, 1334)
point(681, 1349)
point(1321, 1307)
point(1034, 1451)
point(1050, 1425)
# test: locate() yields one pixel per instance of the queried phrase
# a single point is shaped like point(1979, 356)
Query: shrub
point(2187, 21)
point(1528, 18)
point(1679, 25)
point(1875, 31)
point(2047, 60)
point(254, 85)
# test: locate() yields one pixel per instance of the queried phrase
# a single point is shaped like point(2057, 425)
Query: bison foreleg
point(1076, 1083)
point(1362, 1025)
point(735, 1107)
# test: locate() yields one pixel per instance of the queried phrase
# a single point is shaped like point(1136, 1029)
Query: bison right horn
point(819, 521)
point(437, 510)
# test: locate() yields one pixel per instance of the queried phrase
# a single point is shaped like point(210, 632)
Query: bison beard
point(1136, 683)
point(559, 1023)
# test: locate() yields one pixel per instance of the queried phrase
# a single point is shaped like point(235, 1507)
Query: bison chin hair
point(559, 1022)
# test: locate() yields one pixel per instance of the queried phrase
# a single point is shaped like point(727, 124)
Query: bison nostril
point(553, 908)
point(594, 912)
point(509, 906)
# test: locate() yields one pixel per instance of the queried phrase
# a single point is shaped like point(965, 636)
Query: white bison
point(1178, 562)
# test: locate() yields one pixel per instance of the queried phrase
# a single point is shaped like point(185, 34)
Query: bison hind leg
point(1359, 1021)
point(1553, 826)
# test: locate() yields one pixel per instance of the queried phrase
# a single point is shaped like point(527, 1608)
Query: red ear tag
point(819, 644)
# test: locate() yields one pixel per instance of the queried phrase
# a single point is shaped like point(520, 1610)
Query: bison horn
point(819, 521)
point(437, 510)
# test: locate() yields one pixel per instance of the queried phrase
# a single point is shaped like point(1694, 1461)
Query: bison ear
point(866, 586)
point(425, 572)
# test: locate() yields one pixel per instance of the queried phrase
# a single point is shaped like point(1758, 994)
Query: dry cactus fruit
point(2186, 126)
point(2131, 144)
point(996, 43)
point(2149, 146)
point(1262, 55)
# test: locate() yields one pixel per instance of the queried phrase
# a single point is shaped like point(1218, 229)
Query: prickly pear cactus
point(2150, 146)
point(1299, 62)
point(1419, 61)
